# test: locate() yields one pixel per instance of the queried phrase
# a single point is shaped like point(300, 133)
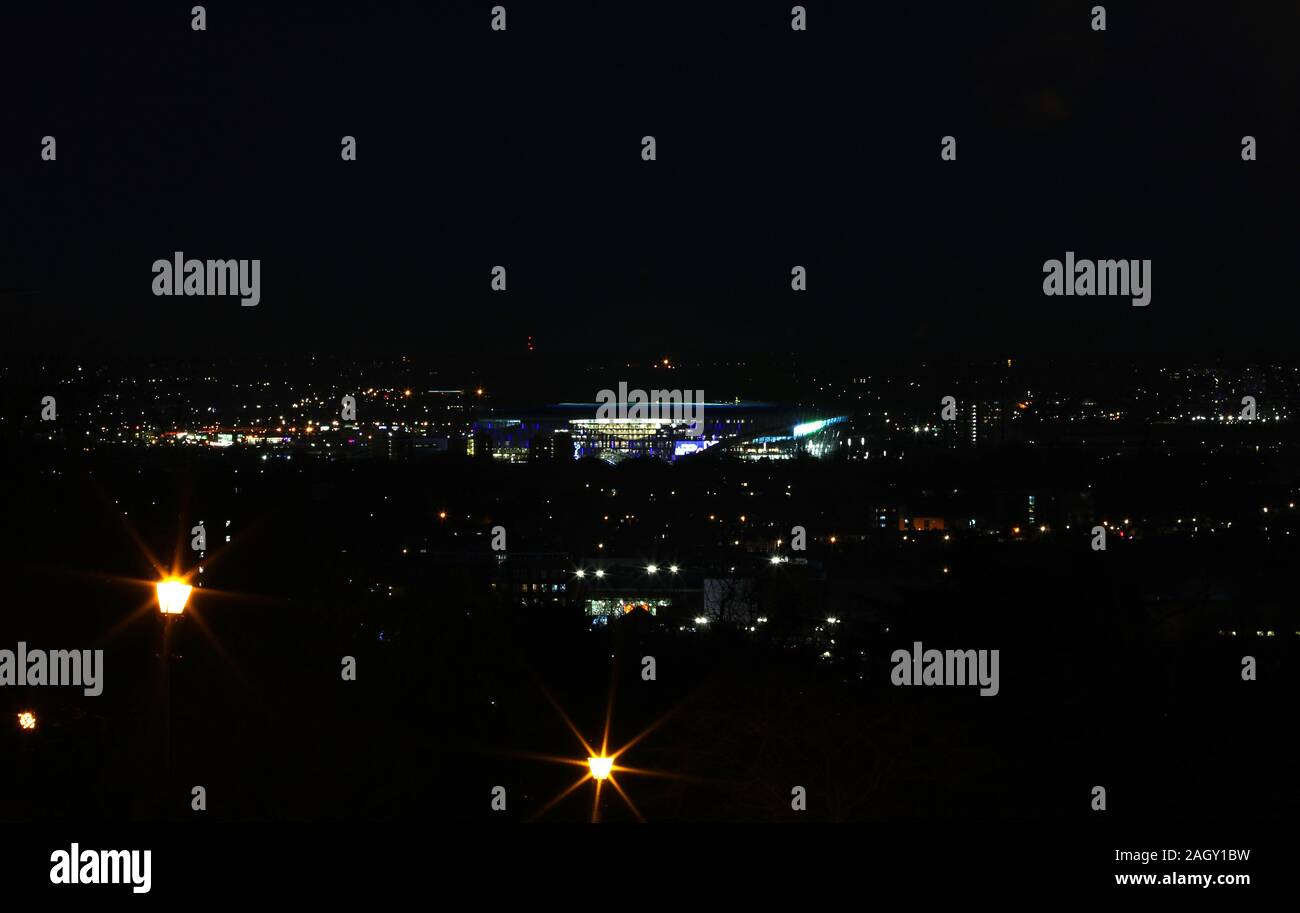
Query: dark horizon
point(775, 149)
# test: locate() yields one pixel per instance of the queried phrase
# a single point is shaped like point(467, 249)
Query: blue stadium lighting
point(808, 428)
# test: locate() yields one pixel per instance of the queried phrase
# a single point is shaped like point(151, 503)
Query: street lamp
point(27, 721)
point(652, 569)
point(172, 596)
point(600, 767)
point(173, 593)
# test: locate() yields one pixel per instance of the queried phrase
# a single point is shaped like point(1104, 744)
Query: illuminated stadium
point(747, 430)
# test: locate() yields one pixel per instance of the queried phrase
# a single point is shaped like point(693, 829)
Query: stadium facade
point(749, 430)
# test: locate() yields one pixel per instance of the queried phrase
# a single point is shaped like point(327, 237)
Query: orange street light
point(27, 721)
point(172, 596)
point(600, 767)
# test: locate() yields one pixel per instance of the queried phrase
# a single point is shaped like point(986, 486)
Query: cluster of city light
point(599, 574)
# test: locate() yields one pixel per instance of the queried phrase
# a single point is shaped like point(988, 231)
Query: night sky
point(522, 148)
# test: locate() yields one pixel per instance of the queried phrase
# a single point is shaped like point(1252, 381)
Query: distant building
point(921, 524)
point(551, 432)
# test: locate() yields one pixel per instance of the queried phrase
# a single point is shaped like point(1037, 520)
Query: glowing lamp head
point(600, 767)
point(27, 721)
point(172, 596)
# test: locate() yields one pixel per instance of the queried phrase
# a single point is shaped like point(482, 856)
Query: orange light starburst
point(600, 765)
point(172, 595)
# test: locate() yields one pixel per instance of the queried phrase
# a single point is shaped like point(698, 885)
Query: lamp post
point(173, 594)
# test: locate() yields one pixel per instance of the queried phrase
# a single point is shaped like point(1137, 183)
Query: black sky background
point(775, 148)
